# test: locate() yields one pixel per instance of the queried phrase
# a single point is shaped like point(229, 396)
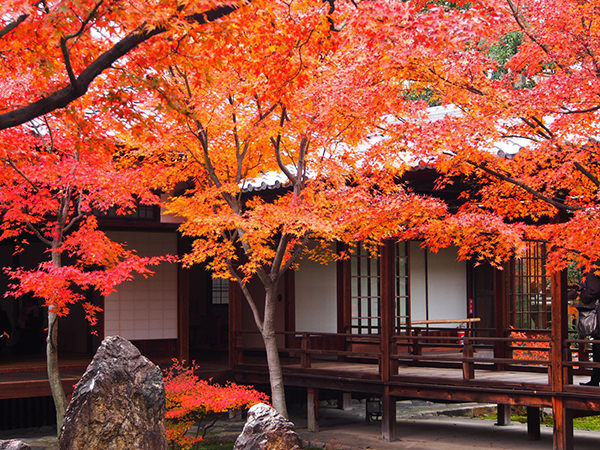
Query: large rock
point(266, 429)
point(13, 444)
point(118, 404)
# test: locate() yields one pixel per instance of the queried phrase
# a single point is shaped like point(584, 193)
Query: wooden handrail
point(440, 321)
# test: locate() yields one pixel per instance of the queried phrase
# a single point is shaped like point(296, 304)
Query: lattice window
point(365, 292)
point(530, 300)
point(220, 291)
point(141, 212)
point(401, 286)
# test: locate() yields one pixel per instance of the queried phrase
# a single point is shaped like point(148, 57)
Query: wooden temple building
point(408, 324)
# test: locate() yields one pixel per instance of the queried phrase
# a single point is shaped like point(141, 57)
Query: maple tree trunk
point(273, 362)
point(58, 393)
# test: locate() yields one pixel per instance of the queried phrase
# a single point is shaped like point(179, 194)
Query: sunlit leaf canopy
point(336, 71)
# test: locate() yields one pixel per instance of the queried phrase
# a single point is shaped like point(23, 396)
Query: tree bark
point(56, 388)
point(273, 362)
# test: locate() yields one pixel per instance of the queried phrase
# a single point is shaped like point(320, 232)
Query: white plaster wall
point(316, 297)
point(145, 308)
point(447, 283)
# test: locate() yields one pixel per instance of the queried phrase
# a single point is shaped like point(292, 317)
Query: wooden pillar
point(533, 423)
point(467, 365)
point(563, 425)
point(344, 303)
point(235, 323)
point(563, 418)
point(183, 306)
point(312, 409)
point(387, 308)
point(503, 415)
point(346, 401)
point(388, 417)
point(500, 314)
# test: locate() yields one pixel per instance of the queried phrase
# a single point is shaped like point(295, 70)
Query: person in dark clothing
point(589, 293)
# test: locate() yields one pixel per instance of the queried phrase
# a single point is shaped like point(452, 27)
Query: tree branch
point(38, 234)
point(12, 25)
point(587, 173)
point(525, 187)
point(526, 28)
point(277, 146)
point(62, 97)
point(247, 295)
point(20, 172)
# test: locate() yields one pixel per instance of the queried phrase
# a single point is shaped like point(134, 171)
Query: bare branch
point(525, 187)
point(565, 110)
point(587, 173)
point(38, 234)
point(296, 252)
point(12, 25)
point(20, 172)
point(247, 294)
point(76, 218)
point(67, 61)
point(277, 146)
point(284, 239)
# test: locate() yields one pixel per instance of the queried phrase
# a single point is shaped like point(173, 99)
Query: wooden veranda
point(421, 364)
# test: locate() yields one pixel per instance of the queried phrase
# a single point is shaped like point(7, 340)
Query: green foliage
point(591, 423)
point(426, 94)
point(503, 51)
point(574, 274)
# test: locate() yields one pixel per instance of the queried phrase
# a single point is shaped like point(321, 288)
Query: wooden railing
point(468, 352)
point(577, 355)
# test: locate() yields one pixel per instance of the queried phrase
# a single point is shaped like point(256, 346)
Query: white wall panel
point(145, 308)
point(446, 285)
point(316, 297)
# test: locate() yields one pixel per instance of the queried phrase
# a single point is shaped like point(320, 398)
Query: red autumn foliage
point(537, 351)
point(192, 401)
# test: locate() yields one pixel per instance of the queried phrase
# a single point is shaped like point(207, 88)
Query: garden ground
point(421, 425)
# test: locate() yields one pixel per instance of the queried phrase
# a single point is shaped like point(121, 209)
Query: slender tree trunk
point(58, 393)
point(273, 362)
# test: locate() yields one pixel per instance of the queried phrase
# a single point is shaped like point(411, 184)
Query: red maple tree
point(55, 178)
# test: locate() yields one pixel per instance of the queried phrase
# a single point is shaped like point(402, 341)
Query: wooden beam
point(312, 409)
point(388, 417)
point(533, 423)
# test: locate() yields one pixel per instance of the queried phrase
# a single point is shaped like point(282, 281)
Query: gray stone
point(118, 404)
point(13, 444)
point(266, 429)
